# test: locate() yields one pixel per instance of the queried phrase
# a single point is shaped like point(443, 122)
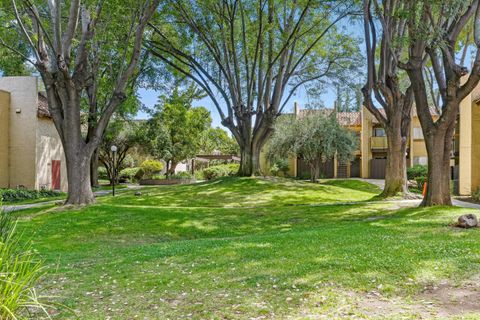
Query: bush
point(224, 170)
point(476, 195)
point(129, 174)
point(151, 167)
point(15, 195)
point(279, 166)
point(182, 175)
point(102, 173)
point(199, 175)
point(21, 271)
point(418, 173)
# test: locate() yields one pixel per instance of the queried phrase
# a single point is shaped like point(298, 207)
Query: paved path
point(381, 184)
point(18, 207)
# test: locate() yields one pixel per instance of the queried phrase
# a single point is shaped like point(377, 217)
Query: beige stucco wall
point(465, 147)
point(365, 149)
point(417, 146)
point(4, 138)
point(49, 147)
point(22, 131)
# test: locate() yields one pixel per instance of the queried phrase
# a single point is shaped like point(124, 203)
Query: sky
point(149, 99)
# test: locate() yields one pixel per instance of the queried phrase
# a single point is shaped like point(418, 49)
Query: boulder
point(138, 193)
point(467, 221)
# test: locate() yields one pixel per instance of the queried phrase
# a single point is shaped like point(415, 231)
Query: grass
point(245, 248)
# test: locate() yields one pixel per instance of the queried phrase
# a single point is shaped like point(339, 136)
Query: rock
point(467, 221)
point(138, 193)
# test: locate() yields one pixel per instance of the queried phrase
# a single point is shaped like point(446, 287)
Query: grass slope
point(246, 248)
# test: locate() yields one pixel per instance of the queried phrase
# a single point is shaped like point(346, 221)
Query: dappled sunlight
point(280, 249)
point(243, 192)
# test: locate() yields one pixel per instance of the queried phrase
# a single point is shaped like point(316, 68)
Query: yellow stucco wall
point(465, 147)
point(417, 146)
point(475, 168)
point(49, 147)
point(365, 149)
point(4, 137)
point(22, 131)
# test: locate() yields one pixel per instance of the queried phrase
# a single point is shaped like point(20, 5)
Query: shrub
point(102, 173)
point(129, 174)
point(419, 174)
point(181, 175)
point(417, 171)
point(199, 175)
point(150, 167)
point(15, 195)
point(21, 271)
point(279, 166)
point(223, 170)
point(476, 195)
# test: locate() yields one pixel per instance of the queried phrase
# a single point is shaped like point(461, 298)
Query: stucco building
point(31, 153)
point(370, 158)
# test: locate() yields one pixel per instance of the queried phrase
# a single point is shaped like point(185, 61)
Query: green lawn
point(244, 248)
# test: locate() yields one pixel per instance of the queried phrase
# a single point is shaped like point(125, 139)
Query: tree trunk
point(94, 168)
point(78, 173)
point(314, 170)
point(246, 160)
point(439, 146)
point(396, 168)
point(171, 169)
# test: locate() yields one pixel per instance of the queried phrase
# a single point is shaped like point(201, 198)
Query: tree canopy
point(175, 129)
point(316, 138)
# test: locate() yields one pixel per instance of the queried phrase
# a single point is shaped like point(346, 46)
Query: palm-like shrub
point(20, 272)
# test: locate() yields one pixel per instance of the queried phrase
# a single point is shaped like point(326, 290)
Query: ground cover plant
point(242, 248)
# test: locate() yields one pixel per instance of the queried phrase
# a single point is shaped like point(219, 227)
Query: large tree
point(69, 43)
point(393, 100)
point(250, 57)
point(434, 30)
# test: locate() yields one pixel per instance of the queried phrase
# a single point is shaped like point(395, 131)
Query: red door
point(56, 174)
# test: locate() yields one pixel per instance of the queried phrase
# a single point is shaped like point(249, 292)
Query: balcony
point(378, 143)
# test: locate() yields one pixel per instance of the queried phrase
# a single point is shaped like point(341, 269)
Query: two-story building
point(31, 153)
point(370, 159)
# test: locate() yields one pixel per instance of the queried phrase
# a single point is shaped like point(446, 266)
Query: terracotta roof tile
point(42, 107)
point(344, 118)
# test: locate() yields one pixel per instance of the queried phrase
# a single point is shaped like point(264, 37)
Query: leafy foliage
point(280, 166)
point(419, 173)
point(150, 167)
point(15, 195)
point(223, 170)
point(173, 132)
point(20, 272)
point(218, 140)
point(316, 138)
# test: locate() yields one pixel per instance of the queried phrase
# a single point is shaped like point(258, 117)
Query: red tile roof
point(344, 118)
point(42, 107)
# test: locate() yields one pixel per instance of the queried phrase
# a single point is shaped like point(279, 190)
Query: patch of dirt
point(443, 301)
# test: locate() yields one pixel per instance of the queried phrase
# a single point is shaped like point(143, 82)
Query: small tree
point(174, 131)
point(315, 138)
point(124, 135)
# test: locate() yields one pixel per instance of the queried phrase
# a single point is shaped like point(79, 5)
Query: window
point(417, 133)
point(420, 160)
point(379, 132)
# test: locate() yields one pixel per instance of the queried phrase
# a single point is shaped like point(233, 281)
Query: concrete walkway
point(18, 207)
point(381, 184)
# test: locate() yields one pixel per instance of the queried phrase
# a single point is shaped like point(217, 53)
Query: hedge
point(223, 170)
point(15, 195)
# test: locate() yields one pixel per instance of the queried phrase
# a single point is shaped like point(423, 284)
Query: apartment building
point(370, 158)
point(31, 153)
